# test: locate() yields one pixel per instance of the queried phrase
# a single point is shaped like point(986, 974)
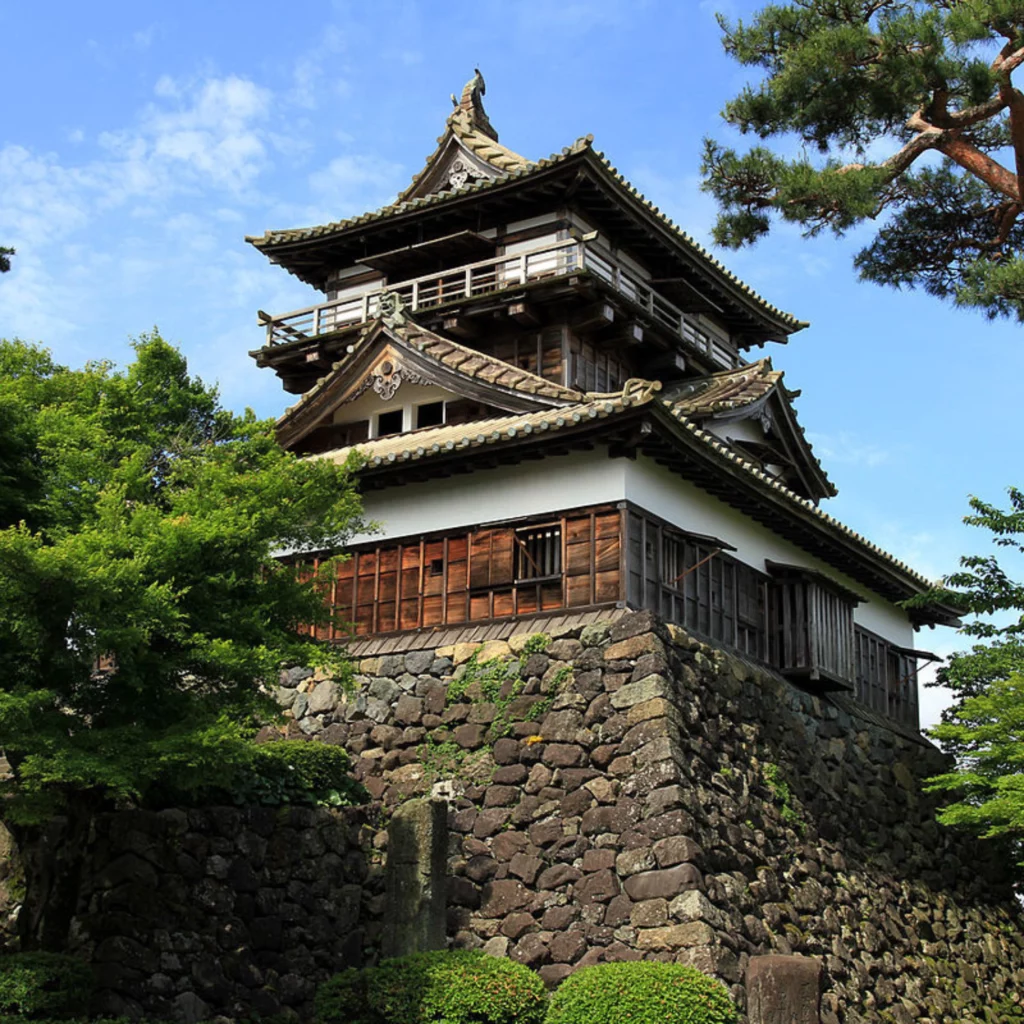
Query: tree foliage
point(906, 113)
point(5, 258)
point(138, 525)
point(984, 728)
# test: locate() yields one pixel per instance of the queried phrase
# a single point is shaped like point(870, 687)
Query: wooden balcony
point(487, 277)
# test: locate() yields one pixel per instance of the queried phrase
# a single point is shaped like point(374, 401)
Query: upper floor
point(487, 247)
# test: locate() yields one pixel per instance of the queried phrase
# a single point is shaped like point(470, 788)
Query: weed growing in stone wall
point(497, 682)
point(441, 759)
point(781, 795)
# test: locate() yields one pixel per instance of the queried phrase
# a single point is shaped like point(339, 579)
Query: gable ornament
point(391, 309)
point(459, 173)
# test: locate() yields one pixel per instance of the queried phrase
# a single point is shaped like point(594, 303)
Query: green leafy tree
point(5, 258)
point(984, 728)
point(903, 112)
point(139, 522)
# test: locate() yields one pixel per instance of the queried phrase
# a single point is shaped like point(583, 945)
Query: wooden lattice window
point(539, 552)
point(886, 678)
point(811, 626)
point(689, 579)
point(595, 369)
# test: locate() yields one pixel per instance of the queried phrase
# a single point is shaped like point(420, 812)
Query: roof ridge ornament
point(469, 114)
point(391, 309)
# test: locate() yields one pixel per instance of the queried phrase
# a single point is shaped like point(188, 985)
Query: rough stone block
point(640, 692)
point(676, 936)
point(415, 878)
point(419, 662)
point(783, 990)
point(650, 885)
point(634, 647)
point(649, 914)
point(502, 897)
point(409, 710)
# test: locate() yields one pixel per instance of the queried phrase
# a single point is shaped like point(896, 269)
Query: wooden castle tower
point(547, 381)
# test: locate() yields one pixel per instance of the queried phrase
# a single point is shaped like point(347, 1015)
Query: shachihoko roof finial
point(470, 109)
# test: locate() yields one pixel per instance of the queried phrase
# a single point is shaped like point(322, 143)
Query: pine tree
point(876, 90)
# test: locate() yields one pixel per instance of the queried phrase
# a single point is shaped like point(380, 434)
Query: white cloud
point(848, 449)
point(351, 184)
point(143, 38)
point(310, 75)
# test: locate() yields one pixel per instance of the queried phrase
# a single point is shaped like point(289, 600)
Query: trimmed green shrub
point(37, 985)
point(440, 987)
point(342, 1000)
point(642, 992)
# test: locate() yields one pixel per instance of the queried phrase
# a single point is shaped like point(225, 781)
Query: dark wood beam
point(523, 313)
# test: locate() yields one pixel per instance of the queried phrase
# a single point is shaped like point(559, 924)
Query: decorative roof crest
point(391, 309)
point(469, 112)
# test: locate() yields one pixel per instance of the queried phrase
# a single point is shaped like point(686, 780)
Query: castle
point(549, 384)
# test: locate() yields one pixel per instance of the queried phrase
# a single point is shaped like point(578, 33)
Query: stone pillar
point(415, 876)
point(783, 990)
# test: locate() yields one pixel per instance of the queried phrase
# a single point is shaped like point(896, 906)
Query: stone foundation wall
point(623, 793)
point(187, 914)
point(637, 794)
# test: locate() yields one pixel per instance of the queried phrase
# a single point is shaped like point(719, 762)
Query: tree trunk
point(51, 858)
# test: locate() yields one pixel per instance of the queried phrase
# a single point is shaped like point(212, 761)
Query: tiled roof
point(726, 390)
point(515, 172)
point(450, 354)
point(443, 440)
point(555, 624)
point(464, 125)
point(272, 238)
point(730, 390)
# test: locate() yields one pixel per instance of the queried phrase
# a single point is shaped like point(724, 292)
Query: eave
point(645, 425)
point(579, 175)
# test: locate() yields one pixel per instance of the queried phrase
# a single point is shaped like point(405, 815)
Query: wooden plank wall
point(471, 577)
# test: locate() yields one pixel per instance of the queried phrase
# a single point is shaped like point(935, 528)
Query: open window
point(388, 423)
point(810, 625)
point(430, 414)
point(538, 552)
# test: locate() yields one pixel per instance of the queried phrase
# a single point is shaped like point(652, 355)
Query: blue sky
point(140, 143)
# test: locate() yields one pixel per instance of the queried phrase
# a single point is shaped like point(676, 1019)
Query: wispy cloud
point(845, 447)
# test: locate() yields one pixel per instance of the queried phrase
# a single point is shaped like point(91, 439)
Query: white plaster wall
point(742, 430)
point(531, 222)
point(586, 478)
point(342, 291)
point(369, 403)
point(685, 505)
point(507, 492)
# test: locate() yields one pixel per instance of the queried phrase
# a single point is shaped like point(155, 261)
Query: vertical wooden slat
point(444, 585)
point(419, 608)
point(623, 552)
point(398, 589)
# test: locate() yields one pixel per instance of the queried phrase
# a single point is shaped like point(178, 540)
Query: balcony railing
point(474, 280)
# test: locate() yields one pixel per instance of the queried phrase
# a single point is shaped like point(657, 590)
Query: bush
point(38, 985)
point(342, 1000)
point(299, 772)
point(439, 987)
point(643, 992)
